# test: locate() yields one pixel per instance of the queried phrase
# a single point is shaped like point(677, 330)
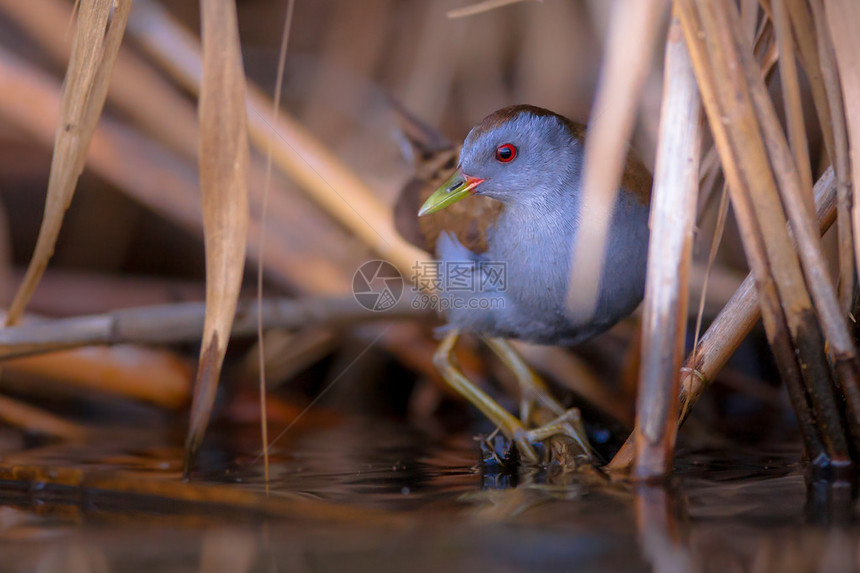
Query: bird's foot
point(512, 428)
point(554, 422)
point(568, 424)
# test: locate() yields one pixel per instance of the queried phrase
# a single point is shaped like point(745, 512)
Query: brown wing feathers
point(468, 220)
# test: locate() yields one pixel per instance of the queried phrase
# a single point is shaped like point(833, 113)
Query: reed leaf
point(98, 36)
point(223, 161)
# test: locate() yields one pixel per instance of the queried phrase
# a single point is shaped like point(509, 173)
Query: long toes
point(525, 448)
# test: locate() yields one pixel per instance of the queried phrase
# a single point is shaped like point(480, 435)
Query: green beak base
point(455, 188)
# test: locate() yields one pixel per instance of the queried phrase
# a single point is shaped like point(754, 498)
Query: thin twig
point(261, 348)
point(183, 322)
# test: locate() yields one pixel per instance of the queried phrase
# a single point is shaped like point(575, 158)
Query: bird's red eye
point(506, 153)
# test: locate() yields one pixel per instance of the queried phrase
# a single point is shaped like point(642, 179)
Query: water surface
point(363, 495)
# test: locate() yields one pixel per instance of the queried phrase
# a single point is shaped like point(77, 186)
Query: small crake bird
point(527, 162)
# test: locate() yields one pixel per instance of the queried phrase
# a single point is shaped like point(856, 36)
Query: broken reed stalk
point(98, 35)
point(843, 19)
point(183, 322)
point(298, 154)
point(729, 329)
point(673, 215)
point(838, 152)
point(223, 160)
point(629, 48)
point(789, 317)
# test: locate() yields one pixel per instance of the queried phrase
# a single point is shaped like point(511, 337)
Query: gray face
point(547, 158)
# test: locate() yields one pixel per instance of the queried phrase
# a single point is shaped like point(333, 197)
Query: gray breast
point(531, 249)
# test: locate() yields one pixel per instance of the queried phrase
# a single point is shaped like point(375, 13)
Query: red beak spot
point(472, 182)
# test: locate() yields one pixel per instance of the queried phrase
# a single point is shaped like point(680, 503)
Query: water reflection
point(370, 495)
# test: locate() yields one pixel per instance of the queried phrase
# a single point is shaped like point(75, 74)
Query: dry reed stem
point(324, 177)
point(843, 18)
point(839, 157)
point(810, 59)
point(427, 85)
point(223, 161)
point(749, 16)
point(158, 107)
point(183, 322)
point(628, 54)
point(155, 376)
point(571, 372)
point(169, 186)
point(63, 293)
point(673, 215)
point(792, 100)
point(481, 7)
point(832, 321)
point(760, 213)
point(730, 328)
point(162, 182)
point(745, 164)
point(135, 88)
point(97, 40)
point(33, 419)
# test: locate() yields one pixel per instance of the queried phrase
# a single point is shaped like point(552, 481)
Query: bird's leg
point(535, 392)
point(510, 426)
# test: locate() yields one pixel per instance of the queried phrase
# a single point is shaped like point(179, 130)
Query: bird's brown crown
point(506, 114)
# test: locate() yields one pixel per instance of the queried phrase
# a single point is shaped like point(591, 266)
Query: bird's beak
point(454, 189)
